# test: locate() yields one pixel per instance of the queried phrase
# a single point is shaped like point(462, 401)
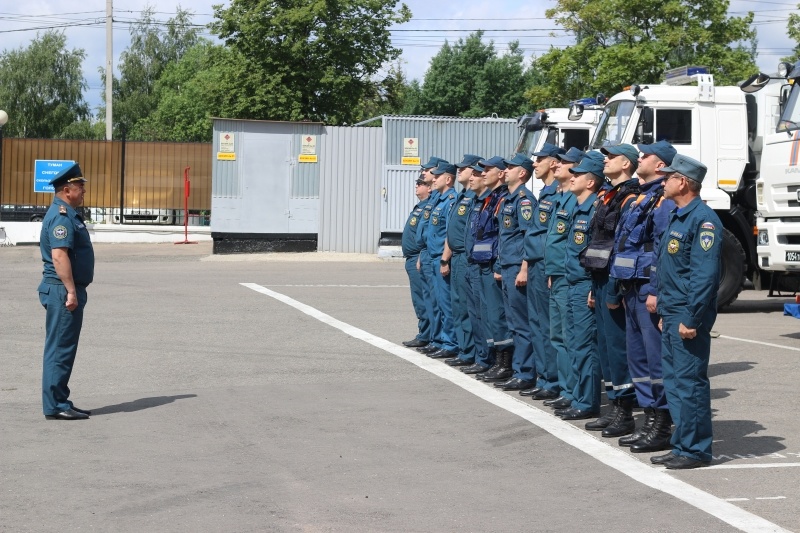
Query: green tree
point(306, 59)
point(793, 29)
point(154, 46)
point(41, 87)
point(619, 42)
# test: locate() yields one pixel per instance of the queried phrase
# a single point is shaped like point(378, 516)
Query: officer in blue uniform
point(581, 343)
point(620, 165)
point(466, 316)
point(444, 178)
point(688, 272)
point(411, 254)
point(515, 216)
point(424, 261)
point(68, 259)
point(632, 261)
point(554, 268)
point(544, 355)
point(485, 229)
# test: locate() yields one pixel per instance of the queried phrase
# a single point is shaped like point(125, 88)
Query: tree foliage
point(793, 29)
point(619, 42)
point(301, 59)
point(41, 87)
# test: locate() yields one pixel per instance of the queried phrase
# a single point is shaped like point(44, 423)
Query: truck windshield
point(528, 141)
point(612, 124)
point(790, 119)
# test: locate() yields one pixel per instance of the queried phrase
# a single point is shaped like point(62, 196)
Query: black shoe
point(415, 343)
point(442, 354)
point(69, 414)
point(455, 361)
point(502, 374)
point(603, 422)
point(81, 411)
point(515, 384)
point(642, 431)
point(563, 411)
point(661, 459)
point(529, 392)
point(561, 403)
point(545, 394)
point(428, 348)
point(684, 463)
point(578, 414)
point(475, 368)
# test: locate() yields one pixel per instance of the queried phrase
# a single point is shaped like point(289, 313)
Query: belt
point(625, 285)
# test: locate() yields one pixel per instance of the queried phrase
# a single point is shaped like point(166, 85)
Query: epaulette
point(522, 192)
point(62, 210)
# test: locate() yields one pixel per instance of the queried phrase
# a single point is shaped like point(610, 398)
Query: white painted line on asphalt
point(737, 499)
point(347, 286)
point(761, 343)
point(617, 459)
point(763, 465)
point(772, 498)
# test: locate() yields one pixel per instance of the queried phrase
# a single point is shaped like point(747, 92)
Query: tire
point(36, 218)
point(732, 274)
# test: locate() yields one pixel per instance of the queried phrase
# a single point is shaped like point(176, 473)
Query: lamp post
point(3, 120)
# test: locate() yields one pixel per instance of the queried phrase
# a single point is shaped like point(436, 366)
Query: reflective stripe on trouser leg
point(559, 328)
point(582, 348)
point(685, 366)
point(442, 309)
point(459, 289)
point(418, 299)
point(544, 355)
point(496, 325)
point(477, 312)
point(62, 332)
point(516, 306)
point(611, 327)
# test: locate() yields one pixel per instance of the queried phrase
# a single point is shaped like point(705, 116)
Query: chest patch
point(60, 232)
point(462, 210)
point(507, 221)
point(413, 221)
point(706, 240)
point(542, 216)
point(561, 226)
point(579, 238)
point(426, 215)
point(673, 246)
point(435, 220)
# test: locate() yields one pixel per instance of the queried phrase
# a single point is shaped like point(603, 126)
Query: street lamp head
point(3, 118)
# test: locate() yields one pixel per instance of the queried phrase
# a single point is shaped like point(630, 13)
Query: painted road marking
point(347, 286)
point(761, 343)
point(748, 499)
point(616, 459)
point(768, 465)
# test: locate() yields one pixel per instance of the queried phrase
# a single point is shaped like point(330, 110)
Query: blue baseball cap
point(627, 150)
point(662, 150)
point(593, 162)
point(495, 161)
point(432, 162)
point(573, 155)
point(69, 174)
point(444, 168)
point(691, 168)
point(477, 167)
point(468, 161)
point(520, 160)
point(549, 150)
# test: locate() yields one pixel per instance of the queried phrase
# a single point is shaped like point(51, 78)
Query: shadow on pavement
point(771, 305)
point(719, 369)
point(141, 403)
point(731, 441)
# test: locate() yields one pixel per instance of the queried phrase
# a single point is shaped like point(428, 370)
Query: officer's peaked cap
point(69, 174)
point(691, 168)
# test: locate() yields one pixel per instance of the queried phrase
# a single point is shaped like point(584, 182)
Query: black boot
point(502, 371)
point(623, 423)
point(659, 436)
point(492, 356)
point(603, 422)
point(640, 432)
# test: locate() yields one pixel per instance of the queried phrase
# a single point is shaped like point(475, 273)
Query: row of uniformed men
point(555, 296)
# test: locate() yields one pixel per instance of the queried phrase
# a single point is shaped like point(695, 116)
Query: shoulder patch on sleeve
point(60, 232)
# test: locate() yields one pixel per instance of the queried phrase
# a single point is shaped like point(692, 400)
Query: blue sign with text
point(44, 170)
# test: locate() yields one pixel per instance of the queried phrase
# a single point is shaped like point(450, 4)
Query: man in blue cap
point(688, 268)
point(68, 259)
point(444, 178)
point(465, 308)
point(485, 229)
point(515, 216)
point(411, 250)
point(621, 162)
point(424, 259)
point(544, 354)
point(581, 343)
point(632, 266)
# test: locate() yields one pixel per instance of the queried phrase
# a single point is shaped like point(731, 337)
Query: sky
point(420, 39)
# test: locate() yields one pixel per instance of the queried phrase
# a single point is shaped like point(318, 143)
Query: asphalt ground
point(219, 406)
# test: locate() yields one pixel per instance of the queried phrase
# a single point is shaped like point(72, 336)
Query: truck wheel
point(732, 274)
point(36, 218)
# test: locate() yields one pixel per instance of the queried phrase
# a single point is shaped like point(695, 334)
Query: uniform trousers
point(515, 300)
point(496, 326)
point(559, 329)
point(418, 299)
point(611, 342)
point(644, 349)
point(426, 275)
point(62, 332)
point(685, 365)
point(442, 309)
point(460, 290)
point(544, 355)
point(484, 345)
point(581, 345)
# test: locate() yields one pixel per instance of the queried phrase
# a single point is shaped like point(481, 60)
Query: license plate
point(793, 256)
